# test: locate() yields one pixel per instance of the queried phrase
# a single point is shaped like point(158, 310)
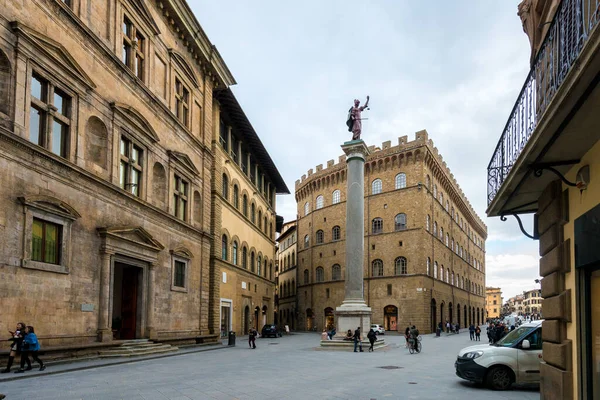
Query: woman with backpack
point(31, 345)
point(478, 333)
point(372, 338)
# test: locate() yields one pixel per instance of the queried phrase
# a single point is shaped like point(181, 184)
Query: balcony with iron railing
point(549, 100)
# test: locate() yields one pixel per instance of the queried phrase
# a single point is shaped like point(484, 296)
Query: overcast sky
point(454, 68)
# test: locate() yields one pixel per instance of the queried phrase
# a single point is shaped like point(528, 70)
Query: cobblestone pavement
point(292, 367)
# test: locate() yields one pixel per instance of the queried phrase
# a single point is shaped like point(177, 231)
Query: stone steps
point(137, 348)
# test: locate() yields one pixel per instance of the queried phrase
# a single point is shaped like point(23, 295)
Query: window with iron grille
point(335, 197)
point(376, 186)
point(320, 274)
point(401, 266)
point(377, 225)
point(336, 233)
point(336, 272)
point(401, 181)
point(306, 277)
point(320, 237)
point(319, 202)
point(400, 222)
point(377, 268)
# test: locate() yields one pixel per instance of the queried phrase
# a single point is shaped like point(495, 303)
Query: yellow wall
point(579, 203)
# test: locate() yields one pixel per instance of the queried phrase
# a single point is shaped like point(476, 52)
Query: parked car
point(514, 358)
point(378, 329)
point(269, 330)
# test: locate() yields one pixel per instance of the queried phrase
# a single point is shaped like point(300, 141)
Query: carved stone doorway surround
point(133, 246)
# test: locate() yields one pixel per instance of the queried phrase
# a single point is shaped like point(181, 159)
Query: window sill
point(42, 266)
point(179, 289)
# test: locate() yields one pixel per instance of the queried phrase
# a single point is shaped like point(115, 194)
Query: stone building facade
point(547, 163)
point(424, 245)
point(493, 302)
point(245, 184)
point(108, 114)
point(287, 276)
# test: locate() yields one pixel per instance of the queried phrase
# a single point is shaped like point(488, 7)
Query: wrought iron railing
point(569, 31)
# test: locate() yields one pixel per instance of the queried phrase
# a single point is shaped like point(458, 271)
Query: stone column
point(353, 311)
point(104, 325)
point(151, 329)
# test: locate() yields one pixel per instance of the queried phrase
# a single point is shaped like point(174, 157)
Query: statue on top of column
point(354, 121)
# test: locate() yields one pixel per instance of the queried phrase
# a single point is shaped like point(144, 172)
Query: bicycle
point(415, 345)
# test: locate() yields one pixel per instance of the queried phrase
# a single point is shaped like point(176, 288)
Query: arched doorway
point(450, 313)
point(465, 314)
point(390, 318)
point(442, 315)
point(264, 315)
point(433, 315)
point(256, 315)
point(478, 316)
point(329, 318)
point(458, 314)
point(473, 315)
point(309, 319)
point(246, 320)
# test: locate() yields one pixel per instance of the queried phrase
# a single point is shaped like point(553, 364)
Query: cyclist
point(414, 334)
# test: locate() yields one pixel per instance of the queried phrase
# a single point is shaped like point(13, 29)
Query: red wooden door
point(129, 303)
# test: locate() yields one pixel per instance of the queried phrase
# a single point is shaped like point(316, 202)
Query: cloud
point(513, 273)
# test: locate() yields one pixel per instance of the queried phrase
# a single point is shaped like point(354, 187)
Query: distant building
point(287, 276)
point(493, 302)
point(424, 243)
point(532, 304)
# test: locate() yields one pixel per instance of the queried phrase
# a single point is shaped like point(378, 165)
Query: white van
point(514, 358)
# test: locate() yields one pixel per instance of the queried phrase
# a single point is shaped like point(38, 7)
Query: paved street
point(291, 367)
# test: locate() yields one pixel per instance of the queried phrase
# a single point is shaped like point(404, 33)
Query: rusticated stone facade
point(105, 162)
point(424, 245)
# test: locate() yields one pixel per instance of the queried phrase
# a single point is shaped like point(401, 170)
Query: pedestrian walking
point(357, 340)
point(457, 328)
point(447, 326)
point(16, 345)
point(31, 345)
point(372, 338)
point(472, 331)
point(252, 338)
point(478, 334)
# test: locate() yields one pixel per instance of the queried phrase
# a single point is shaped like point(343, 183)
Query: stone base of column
point(105, 335)
point(152, 333)
point(351, 315)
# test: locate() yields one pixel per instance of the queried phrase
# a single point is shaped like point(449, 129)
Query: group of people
point(356, 337)
point(496, 331)
point(23, 343)
point(475, 332)
point(450, 327)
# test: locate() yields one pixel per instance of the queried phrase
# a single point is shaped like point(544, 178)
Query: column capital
point(107, 250)
point(355, 149)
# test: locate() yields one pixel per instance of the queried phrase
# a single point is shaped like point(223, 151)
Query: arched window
point(286, 262)
point(336, 197)
point(400, 222)
point(236, 197)
point(452, 278)
point(447, 276)
point(376, 186)
point(336, 272)
point(377, 225)
point(336, 233)
point(306, 277)
point(452, 213)
point(253, 213)
point(259, 219)
point(428, 182)
point(452, 242)
point(225, 187)
point(293, 287)
point(306, 242)
point(244, 257)
point(224, 247)
point(400, 267)
point(293, 260)
point(306, 208)
point(401, 181)
point(435, 228)
point(441, 198)
point(252, 264)
point(441, 233)
point(320, 274)
point(258, 265)
point(442, 273)
point(457, 282)
point(435, 269)
point(428, 266)
point(319, 202)
point(245, 205)
point(265, 224)
point(428, 225)
point(447, 240)
point(447, 205)
point(435, 191)
point(234, 253)
point(320, 237)
point(377, 268)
